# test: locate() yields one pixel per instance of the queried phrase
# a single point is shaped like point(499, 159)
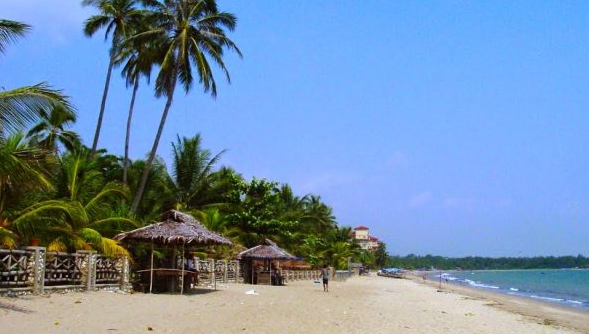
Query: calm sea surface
point(569, 287)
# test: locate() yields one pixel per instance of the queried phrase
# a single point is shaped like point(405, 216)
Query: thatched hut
point(175, 229)
point(267, 251)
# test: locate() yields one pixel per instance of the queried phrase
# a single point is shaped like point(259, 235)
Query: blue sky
point(447, 127)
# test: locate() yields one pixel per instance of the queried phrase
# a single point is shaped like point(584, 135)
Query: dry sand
point(360, 305)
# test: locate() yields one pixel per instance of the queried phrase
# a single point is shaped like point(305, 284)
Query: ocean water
point(568, 287)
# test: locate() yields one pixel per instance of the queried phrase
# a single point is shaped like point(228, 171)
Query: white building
point(364, 239)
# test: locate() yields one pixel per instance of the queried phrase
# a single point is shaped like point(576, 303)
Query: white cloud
point(420, 200)
point(324, 180)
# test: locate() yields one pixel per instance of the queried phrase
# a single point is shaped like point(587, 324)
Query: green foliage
point(191, 172)
point(73, 199)
point(188, 34)
point(10, 31)
point(24, 168)
point(257, 215)
point(51, 130)
point(412, 261)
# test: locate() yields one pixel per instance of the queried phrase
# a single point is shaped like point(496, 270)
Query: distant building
point(364, 239)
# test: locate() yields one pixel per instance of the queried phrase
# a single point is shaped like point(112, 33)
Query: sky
point(451, 127)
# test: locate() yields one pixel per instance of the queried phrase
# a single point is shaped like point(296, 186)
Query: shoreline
point(555, 299)
point(536, 310)
point(365, 304)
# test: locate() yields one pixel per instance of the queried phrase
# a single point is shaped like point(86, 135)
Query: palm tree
point(21, 106)
point(189, 32)
point(192, 170)
point(51, 130)
point(84, 215)
point(10, 31)
point(23, 169)
point(119, 17)
point(139, 60)
point(159, 195)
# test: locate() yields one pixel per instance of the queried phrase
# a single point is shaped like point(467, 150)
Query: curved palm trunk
point(149, 161)
point(102, 106)
point(128, 135)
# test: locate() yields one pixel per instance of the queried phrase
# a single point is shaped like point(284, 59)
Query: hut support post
point(270, 271)
point(151, 270)
point(182, 277)
point(252, 266)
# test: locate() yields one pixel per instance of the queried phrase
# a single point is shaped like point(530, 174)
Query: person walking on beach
point(325, 275)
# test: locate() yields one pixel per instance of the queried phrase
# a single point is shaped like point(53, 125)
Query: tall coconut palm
point(21, 106)
point(118, 17)
point(139, 59)
point(51, 130)
point(190, 32)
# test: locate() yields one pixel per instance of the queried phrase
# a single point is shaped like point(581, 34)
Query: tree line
point(427, 262)
point(67, 196)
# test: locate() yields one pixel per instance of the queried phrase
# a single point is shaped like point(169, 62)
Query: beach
point(367, 304)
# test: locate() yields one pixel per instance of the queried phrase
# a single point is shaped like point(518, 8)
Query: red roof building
point(364, 239)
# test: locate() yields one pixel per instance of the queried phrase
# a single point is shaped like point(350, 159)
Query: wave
point(574, 302)
point(513, 289)
point(480, 285)
point(547, 298)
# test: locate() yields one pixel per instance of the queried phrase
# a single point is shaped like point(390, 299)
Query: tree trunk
point(128, 135)
point(149, 161)
point(102, 106)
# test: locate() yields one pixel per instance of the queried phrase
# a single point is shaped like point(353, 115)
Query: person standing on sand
point(325, 275)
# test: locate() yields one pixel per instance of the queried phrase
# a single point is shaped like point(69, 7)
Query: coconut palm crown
point(191, 32)
point(119, 18)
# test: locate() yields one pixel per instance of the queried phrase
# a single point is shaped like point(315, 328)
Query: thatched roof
point(176, 228)
point(266, 250)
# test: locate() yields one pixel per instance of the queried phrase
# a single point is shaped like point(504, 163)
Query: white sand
point(361, 305)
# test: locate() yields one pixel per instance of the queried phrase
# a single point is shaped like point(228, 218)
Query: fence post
point(38, 261)
point(88, 268)
point(213, 273)
point(225, 267)
point(237, 269)
point(124, 262)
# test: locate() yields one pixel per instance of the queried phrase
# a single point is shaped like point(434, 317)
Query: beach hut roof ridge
point(266, 250)
point(176, 228)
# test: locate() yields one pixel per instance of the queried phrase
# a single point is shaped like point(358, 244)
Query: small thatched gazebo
point(175, 229)
point(267, 250)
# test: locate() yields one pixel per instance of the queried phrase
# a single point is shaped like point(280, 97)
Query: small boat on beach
point(392, 272)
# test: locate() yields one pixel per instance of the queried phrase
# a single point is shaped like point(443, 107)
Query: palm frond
point(10, 32)
point(20, 106)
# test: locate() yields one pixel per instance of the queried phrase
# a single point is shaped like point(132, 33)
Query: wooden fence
point(35, 270)
point(300, 275)
point(212, 271)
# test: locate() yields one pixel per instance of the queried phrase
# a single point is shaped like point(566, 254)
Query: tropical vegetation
point(427, 262)
point(66, 196)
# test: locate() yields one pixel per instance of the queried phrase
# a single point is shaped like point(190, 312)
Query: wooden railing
point(15, 268)
point(300, 275)
point(36, 270)
point(212, 271)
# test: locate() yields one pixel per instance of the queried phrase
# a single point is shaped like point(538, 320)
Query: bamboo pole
point(151, 270)
point(252, 268)
point(182, 280)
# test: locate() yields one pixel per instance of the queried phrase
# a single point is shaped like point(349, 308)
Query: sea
point(567, 287)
